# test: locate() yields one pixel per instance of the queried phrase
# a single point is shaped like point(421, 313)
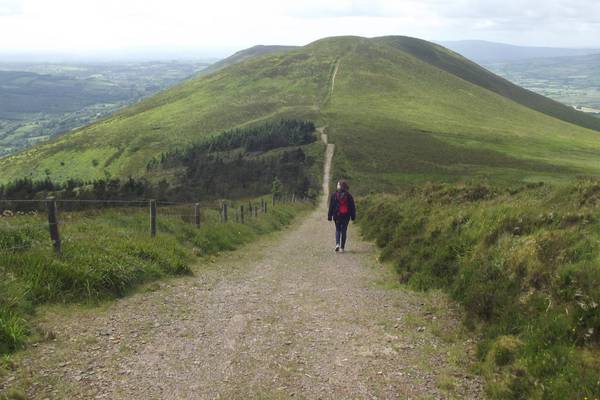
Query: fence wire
point(75, 217)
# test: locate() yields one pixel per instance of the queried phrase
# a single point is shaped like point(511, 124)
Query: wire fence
point(50, 223)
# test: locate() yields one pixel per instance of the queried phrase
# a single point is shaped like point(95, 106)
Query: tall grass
point(524, 262)
point(106, 254)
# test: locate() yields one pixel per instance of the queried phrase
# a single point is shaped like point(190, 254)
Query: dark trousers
point(341, 229)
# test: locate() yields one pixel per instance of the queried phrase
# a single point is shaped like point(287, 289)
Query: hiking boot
point(337, 247)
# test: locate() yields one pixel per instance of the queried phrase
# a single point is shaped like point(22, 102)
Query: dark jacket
point(334, 204)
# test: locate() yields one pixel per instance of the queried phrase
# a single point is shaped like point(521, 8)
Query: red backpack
point(342, 199)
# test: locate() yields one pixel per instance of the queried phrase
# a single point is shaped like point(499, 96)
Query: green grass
point(455, 64)
point(392, 113)
point(402, 111)
point(106, 254)
point(243, 94)
point(523, 261)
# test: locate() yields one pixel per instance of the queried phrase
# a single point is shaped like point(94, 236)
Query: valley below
point(39, 101)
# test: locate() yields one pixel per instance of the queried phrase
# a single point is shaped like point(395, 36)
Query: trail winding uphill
point(333, 76)
point(286, 316)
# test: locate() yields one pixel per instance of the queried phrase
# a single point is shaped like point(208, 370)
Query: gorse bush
point(104, 255)
point(524, 262)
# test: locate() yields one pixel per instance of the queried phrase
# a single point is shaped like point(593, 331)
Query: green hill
point(471, 72)
point(401, 110)
point(246, 54)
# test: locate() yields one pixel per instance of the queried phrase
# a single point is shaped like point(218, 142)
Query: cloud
point(102, 24)
point(10, 7)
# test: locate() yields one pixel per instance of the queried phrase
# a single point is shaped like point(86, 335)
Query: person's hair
point(344, 185)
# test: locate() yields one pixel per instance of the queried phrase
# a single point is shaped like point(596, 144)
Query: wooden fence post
point(255, 211)
point(197, 215)
point(224, 213)
point(242, 214)
point(53, 224)
point(152, 218)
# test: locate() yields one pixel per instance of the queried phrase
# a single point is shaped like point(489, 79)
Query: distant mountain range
point(484, 52)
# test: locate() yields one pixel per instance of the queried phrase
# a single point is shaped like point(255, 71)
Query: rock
point(421, 329)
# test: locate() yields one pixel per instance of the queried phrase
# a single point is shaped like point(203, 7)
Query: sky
point(217, 28)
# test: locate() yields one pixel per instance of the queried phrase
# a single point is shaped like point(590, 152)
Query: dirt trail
point(286, 316)
point(335, 71)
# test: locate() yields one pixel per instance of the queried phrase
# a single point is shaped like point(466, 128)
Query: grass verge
point(105, 255)
point(525, 264)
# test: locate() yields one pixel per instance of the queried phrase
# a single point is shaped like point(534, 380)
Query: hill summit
point(399, 109)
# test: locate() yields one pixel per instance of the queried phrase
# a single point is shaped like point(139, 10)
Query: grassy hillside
point(402, 110)
point(246, 54)
point(397, 119)
point(259, 89)
point(471, 72)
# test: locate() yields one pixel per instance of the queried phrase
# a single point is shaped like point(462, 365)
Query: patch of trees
point(261, 138)
point(113, 189)
point(240, 176)
point(207, 177)
point(235, 164)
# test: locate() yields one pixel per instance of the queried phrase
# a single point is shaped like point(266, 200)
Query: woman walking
point(341, 210)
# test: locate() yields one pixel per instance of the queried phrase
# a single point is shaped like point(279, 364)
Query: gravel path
point(284, 317)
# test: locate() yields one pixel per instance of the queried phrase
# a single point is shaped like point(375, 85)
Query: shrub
point(524, 264)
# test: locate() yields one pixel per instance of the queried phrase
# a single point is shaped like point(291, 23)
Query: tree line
point(236, 163)
point(261, 138)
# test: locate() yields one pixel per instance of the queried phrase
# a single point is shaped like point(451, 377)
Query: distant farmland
point(38, 101)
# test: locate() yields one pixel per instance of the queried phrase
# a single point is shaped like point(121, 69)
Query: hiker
point(341, 210)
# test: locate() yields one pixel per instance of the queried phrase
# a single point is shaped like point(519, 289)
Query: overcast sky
point(218, 27)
